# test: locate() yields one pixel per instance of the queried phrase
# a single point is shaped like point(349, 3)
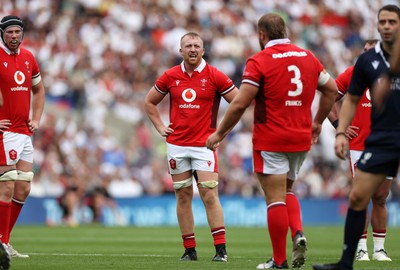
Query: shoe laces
point(382, 251)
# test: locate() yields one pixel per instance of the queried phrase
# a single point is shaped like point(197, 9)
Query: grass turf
point(97, 247)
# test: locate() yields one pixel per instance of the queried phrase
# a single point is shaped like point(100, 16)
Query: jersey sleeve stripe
point(228, 90)
point(251, 82)
point(159, 90)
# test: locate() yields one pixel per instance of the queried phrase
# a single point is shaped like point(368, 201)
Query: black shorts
point(379, 161)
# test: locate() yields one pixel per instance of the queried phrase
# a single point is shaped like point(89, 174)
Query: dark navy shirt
point(368, 68)
point(385, 129)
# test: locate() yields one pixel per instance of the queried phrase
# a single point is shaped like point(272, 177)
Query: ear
point(262, 36)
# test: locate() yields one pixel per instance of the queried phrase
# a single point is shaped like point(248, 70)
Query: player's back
point(288, 81)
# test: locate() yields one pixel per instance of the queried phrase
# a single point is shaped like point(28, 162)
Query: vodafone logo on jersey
point(368, 96)
point(189, 95)
point(19, 78)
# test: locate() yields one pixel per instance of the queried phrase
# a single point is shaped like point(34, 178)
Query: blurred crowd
point(99, 58)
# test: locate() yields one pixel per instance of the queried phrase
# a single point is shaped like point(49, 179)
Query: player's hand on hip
point(33, 125)
point(4, 125)
point(342, 146)
point(352, 132)
point(167, 130)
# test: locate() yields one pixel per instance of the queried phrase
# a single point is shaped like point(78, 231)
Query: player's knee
point(358, 201)
point(379, 199)
point(22, 190)
point(7, 187)
point(208, 184)
point(182, 184)
point(380, 196)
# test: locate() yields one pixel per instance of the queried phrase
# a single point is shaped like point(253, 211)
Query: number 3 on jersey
point(295, 80)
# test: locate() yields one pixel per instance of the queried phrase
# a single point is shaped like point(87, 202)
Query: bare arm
point(233, 114)
point(346, 115)
point(37, 105)
point(326, 102)
point(333, 117)
point(151, 101)
point(229, 97)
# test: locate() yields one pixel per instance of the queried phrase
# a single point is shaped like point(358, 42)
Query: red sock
point(5, 215)
point(294, 213)
point(16, 207)
point(218, 235)
point(278, 226)
point(189, 241)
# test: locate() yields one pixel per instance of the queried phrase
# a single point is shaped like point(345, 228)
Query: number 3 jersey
point(194, 101)
point(287, 77)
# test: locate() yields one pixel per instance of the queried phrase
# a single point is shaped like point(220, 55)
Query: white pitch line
point(96, 254)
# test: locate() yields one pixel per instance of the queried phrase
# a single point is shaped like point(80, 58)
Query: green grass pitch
point(114, 248)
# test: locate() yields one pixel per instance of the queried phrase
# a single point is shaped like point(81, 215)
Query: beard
point(261, 44)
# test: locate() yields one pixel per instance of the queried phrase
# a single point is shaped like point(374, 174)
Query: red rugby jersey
point(362, 117)
point(287, 77)
point(194, 102)
point(16, 74)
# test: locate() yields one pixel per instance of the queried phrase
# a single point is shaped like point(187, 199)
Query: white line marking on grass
point(96, 254)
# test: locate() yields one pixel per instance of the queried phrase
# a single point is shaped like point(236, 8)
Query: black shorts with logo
point(381, 154)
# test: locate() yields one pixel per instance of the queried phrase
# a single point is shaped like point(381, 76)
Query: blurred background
point(99, 58)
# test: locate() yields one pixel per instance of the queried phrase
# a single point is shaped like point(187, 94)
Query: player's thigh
point(363, 186)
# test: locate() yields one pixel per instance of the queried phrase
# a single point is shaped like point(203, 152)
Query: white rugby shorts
point(185, 158)
point(16, 147)
point(279, 162)
point(353, 159)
